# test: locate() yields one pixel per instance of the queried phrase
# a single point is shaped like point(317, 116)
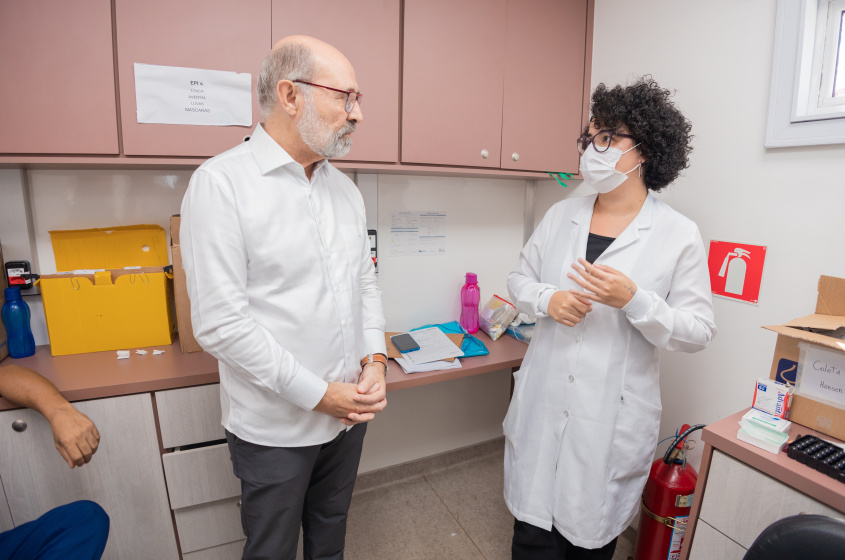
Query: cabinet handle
point(515, 156)
point(239, 504)
point(19, 425)
point(485, 154)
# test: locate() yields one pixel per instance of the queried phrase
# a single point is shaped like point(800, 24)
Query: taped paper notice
point(173, 95)
point(414, 233)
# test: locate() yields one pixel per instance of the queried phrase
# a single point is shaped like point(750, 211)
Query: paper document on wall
point(173, 95)
point(417, 232)
point(434, 346)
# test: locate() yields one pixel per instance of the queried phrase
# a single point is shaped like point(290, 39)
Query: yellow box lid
point(117, 247)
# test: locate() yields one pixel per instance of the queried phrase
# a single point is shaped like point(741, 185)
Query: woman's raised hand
point(602, 284)
point(568, 309)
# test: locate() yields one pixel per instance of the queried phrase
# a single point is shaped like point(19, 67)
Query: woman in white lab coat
point(582, 426)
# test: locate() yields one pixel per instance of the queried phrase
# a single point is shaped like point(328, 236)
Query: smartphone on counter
point(404, 342)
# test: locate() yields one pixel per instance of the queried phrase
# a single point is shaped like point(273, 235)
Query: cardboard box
point(113, 291)
point(829, 316)
point(4, 340)
point(180, 291)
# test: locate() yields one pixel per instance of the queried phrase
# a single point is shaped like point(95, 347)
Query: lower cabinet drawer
point(199, 476)
point(190, 415)
point(209, 525)
point(230, 551)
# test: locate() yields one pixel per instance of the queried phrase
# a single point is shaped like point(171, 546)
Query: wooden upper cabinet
point(505, 76)
point(57, 87)
point(544, 84)
point(368, 33)
point(205, 34)
point(453, 70)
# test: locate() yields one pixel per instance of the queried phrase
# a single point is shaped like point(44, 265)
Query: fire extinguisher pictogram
point(667, 501)
point(735, 268)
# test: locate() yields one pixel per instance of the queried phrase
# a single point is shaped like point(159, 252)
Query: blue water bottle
point(16, 318)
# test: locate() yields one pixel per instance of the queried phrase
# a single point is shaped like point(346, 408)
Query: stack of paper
point(409, 367)
point(434, 346)
point(763, 430)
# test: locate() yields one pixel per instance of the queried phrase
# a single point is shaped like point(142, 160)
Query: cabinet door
point(367, 32)
point(710, 544)
point(206, 34)
point(544, 84)
point(125, 475)
point(57, 88)
point(740, 501)
point(452, 82)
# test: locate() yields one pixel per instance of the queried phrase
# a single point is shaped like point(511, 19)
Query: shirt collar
point(269, 155)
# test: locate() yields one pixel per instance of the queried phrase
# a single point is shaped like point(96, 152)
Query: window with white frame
point(807, 97)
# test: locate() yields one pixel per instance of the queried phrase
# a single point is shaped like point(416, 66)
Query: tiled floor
point(441, 512)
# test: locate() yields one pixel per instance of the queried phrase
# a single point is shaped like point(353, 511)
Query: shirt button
point(566, 413)
point(572, 379)
point(577, 339)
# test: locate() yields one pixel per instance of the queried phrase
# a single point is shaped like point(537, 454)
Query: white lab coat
point(582, 426)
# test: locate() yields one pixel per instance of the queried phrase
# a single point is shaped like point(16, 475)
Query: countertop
point(721, 435)
point(97, 375)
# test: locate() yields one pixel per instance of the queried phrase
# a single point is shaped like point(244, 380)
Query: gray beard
point(320, 137)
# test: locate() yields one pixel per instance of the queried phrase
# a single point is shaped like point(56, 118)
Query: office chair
point(800, 536)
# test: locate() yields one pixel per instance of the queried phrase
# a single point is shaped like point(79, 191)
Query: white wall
point(717, 55)
point(484, 235)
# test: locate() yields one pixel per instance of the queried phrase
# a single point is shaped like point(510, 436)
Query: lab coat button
point(577, 339)
point(566, 413)
point(572, 379)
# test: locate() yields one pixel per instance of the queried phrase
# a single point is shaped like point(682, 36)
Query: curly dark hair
point(645, 110)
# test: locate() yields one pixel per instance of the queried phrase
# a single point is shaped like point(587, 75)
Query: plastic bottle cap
point(472, 278)
point(12, 294)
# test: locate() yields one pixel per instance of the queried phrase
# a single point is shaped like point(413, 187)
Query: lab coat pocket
point(509, 426)
point(634, 441)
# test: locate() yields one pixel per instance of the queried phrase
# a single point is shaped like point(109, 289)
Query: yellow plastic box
point(112, 291)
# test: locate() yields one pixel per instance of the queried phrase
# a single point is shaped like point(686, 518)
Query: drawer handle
point(19, 425)
point(239, 504)
point(515, 156)
point(485, 154)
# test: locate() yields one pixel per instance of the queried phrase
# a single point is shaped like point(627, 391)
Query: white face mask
point(599, 168)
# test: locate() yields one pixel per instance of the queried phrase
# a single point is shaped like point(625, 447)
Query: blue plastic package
point(470, 346)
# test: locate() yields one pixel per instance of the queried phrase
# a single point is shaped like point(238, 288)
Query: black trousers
point(285, 487)
point(533, 543)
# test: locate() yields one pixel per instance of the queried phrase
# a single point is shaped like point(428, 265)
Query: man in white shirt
point(283, 293)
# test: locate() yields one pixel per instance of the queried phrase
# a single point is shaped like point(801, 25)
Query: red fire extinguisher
point(667, 500)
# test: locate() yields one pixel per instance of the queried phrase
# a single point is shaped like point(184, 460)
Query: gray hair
point(292, 61)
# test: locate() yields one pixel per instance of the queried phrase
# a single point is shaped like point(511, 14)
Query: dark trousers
point(285, 487)
point(75, 531)
point(533, 543)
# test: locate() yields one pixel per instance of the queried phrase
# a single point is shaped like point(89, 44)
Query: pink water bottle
point(470, 294)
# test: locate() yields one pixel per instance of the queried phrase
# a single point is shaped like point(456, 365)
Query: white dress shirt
point(583, 422)
point(282, 287)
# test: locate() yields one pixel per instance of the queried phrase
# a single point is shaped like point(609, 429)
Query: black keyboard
point(819, 454)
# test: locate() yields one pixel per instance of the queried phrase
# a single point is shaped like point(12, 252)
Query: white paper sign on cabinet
point(822, 373)
point(173, 95)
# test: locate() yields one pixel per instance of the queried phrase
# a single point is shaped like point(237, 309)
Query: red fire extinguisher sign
point(736, 270)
